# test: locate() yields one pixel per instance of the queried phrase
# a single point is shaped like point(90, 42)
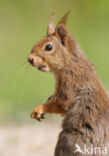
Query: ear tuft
point(51, 29)
point(63, 20)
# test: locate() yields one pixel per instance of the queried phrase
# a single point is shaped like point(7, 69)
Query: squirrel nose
point(30, 60)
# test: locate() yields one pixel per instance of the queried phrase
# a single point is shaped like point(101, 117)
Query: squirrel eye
point(48, 47)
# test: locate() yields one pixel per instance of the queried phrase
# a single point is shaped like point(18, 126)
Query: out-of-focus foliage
point(22, 24)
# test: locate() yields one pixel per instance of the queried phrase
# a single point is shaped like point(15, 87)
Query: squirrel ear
point(61, 30)
point(61, 33)
point(51, 29)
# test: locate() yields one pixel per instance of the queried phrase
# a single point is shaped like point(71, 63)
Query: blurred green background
point(22, 24)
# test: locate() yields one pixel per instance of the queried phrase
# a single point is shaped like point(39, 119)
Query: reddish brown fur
point(79, 95)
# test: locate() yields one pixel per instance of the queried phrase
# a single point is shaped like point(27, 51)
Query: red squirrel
point(79, 95)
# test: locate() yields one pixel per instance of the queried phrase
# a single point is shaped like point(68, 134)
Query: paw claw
point(39, 119)
point(35, 114)
point(42, 116)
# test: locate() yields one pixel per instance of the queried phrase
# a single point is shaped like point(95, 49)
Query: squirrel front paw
point(38, 114)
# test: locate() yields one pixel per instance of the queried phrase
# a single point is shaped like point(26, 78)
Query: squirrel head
point(53, 51)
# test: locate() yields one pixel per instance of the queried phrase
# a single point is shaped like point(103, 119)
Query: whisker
point(22, 64)
point(24, 58)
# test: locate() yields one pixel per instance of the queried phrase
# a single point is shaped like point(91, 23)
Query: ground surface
point(29, 140)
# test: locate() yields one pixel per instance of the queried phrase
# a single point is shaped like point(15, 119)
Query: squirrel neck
point(76, 72)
